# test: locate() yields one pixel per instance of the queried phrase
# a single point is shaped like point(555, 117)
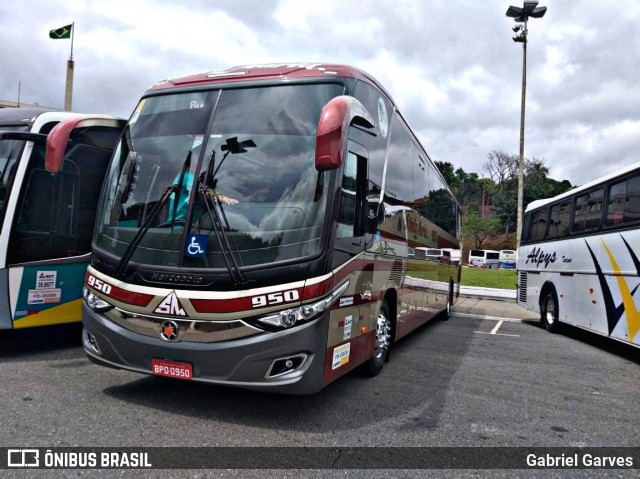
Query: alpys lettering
point(537, 257)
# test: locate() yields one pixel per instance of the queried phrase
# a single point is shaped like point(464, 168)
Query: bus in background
point(484, 258)
point(507, 259)
point(256, 230)
point(433, 254)
point(578, 261)
point(47, 213)
point(455, 255)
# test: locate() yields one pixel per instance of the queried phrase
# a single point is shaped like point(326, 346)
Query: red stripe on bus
point(313, 291)
point(119, 294)
point(129, 297)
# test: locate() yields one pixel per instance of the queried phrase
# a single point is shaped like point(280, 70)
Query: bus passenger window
point(588, 211)
point(538, 225)
point(615, 211)
point(624, 202)
point(559, 220)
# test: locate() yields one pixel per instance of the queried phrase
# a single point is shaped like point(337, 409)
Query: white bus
point(484, 258)
point(578, 261)
point(507, 259)
point(454, 255)
point(47, 211)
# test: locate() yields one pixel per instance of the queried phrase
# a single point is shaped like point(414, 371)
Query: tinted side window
point(588, 211)
point(560, 219)
point(538, 225)
point(399, 189)
point(55, 214)
point(624, 202)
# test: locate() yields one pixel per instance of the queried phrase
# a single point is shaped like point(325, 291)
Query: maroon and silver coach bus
point(256, 228)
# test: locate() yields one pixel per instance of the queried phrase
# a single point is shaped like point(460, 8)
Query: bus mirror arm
point(374, 216)
point(333, 129)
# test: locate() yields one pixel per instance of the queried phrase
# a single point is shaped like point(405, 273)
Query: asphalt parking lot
point(490, 376)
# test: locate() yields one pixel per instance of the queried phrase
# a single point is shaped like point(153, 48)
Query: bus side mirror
point(333, 128)
point(59, 136)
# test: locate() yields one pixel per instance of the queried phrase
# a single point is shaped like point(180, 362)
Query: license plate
point(171, 369)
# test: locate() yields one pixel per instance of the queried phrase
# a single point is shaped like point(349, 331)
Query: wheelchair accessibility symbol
point(196, 246)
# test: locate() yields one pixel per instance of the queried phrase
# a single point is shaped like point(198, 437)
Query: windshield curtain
point(258, 169)
point(10, 151)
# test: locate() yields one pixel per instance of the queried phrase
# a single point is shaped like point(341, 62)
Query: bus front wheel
point(549, 313)
point(383, 340)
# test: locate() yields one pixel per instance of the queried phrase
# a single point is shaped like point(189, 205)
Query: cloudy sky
point(450, 65)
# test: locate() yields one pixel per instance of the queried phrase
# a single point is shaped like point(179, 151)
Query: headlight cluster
point(289, 317)
point(94, 302)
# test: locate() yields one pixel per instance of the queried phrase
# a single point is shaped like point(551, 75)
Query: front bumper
point(242, 362)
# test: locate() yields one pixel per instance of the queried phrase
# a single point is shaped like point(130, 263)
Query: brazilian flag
point(62, 32)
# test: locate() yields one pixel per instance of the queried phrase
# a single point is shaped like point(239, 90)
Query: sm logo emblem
point(170, 305)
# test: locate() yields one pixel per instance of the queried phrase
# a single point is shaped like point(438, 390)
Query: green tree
point(477, 228)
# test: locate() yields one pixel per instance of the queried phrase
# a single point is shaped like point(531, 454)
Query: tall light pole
point(521, 15)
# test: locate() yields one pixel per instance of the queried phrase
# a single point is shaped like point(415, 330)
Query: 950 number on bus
point(275, 298)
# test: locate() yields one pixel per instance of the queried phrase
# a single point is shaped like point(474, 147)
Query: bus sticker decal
point(196, 246)
point(44, 296)
point(346, 302)
point(46, 279)
point(340, 355)
point(346, 332)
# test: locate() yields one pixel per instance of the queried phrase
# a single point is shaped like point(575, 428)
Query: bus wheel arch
point(549, 308)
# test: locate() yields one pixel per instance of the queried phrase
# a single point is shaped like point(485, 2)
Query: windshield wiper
point(142, 231)
point(208, 182)
point(223, 241)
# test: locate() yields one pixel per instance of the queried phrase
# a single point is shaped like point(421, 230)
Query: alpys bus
point(578, 261)
point(254, 231)
point(47, 211)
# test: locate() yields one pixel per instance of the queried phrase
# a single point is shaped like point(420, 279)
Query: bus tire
point(549, 312)
point(446, 314)
point(383, 340)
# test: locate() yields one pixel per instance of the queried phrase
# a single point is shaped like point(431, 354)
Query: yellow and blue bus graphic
point(625, 304)
point(46, 294)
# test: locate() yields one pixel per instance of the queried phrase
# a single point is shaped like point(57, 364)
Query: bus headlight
point(94, 302)
point(291, 317)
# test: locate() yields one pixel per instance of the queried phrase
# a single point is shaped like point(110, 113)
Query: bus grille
point(522, 287)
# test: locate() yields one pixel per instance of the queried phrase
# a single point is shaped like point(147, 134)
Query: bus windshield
point(249, 150)
point(10, 151)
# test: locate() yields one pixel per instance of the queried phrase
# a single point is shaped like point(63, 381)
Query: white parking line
point(495, 329)
point(491, 318)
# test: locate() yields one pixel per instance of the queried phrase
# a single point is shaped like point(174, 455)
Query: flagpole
point(73, 31)
point(68, 92)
